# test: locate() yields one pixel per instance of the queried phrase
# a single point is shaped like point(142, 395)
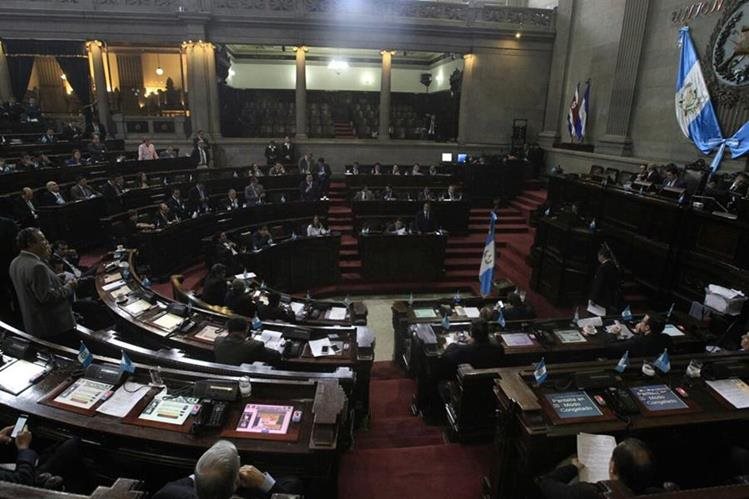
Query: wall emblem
point(728, 71)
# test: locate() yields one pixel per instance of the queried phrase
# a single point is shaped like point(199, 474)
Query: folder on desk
point(425, 313)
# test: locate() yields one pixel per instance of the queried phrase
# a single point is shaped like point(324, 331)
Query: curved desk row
point(155, 322)
point(355, 182)
point(178, 245)
point(156, 451)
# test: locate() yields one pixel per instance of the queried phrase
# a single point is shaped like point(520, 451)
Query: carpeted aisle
point(400, 456)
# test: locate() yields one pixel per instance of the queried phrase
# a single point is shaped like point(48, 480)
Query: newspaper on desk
point(337, 313)
point(329, 401)
point(273, 340)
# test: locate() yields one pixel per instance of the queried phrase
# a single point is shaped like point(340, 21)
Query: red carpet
point(400, 456)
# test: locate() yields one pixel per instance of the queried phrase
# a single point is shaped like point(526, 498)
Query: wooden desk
point(178, 245)
point(356, 182)
point(529, 442)
point(673, 251)
point(357, 342)
point(409, 257)
point(158, 455)
point(429, 340)
point(453, 216)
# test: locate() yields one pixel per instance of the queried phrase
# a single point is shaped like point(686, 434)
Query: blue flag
point(663, 363)
point(84, 356)
point(126, 365)
point(627, 313)
point(501, 319)
point(446, 322)
point(257, 323)
point(486, 270)
point(411, 299)
point(694, 110)
point(576, 317)
point(623, 363)
point(540, 372)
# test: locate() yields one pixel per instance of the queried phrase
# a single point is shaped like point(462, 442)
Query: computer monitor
point(462, 157)
point(447, 157)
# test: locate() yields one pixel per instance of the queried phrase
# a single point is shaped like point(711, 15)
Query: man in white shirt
point(147, 151)
point(52, 197)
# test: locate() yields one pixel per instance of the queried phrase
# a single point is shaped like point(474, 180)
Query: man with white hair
point(218, 475)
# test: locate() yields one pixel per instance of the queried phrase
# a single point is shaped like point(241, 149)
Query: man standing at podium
point(425, 220)
point(606, 290)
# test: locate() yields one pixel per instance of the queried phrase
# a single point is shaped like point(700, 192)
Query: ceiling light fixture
point(159, 69)
point(338, 65)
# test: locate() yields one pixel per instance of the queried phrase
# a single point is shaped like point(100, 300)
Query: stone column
point(6, 89)
point(387, 63)
point(198, 97)
point(469, 69)
point(301, 92)
point(211, 81)
point(96, 55)
point(555, 98)
point(617, 140)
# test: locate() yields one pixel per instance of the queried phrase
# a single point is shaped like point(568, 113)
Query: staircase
point(343, 130)
point(399, 455)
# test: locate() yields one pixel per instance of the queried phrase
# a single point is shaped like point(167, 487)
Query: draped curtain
point(70, 55)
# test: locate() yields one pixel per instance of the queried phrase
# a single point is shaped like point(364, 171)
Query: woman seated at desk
point(316, 228)
point(396, 170)
point(377, 170)
point(238, 300)
point(214, 286)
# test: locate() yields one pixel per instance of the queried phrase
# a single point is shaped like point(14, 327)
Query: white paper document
point(517, 339)
point(112, 277)
point(590, 321)
point(594, 453)
point(619, 329)
point(121, 292)
point(472, 312)
point(168, 321)
point(273, 340)
point(113, 285)
point(596, 309)
point(297, 307)
point(246, 275)
point(137, 307)
point(337, 313)
point(210, 333)
point(735, 391)
point(123, 400)
point(672, 330)
point(570, 336)
point(15, 377)
point(316, 347)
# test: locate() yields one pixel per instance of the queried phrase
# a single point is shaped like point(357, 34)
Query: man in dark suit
point(322, 173)
point(673, 180)
point(176, 204)
point(198, 199)
point(164, 217)
point(606, 289)
point(425, 220)
point(112, 192)
point(44, 298)
point(308, 189)
point(8, 251)
point(254, 192)
point(214, 286)
point(231, 202)
point(238, 301)
point(305, 164)
point(81, 190)
point(479, 352)
point(24, 210)
point(287, 151)
point(49, 137)
point(97, 148)
point(52, 196)
point(237, 348)
point(631, 463)
point(273, 311)
point(97, 128)
point(262, 238)
point(649, 339)
point(516, 310)
point(218, 475)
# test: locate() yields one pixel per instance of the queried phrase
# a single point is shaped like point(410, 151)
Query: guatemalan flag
point(694, 111)
point(486, 271)
point(577, 117)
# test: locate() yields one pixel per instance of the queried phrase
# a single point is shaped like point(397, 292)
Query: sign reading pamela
point(694, 9)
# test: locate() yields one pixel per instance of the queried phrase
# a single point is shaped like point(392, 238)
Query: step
point(339, 210)
point(527, 208)
point(351, 276)
point(463, 274)
point(341, 228)
point(512, 229)
point(537, 196)
point(463, 263)
point(346, 253)
point(349, 265)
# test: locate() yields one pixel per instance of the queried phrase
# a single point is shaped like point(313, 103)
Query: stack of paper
point(137, 307)
point(316, 347)
point(337, 314)
point(123, 400)
point(273, 340)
